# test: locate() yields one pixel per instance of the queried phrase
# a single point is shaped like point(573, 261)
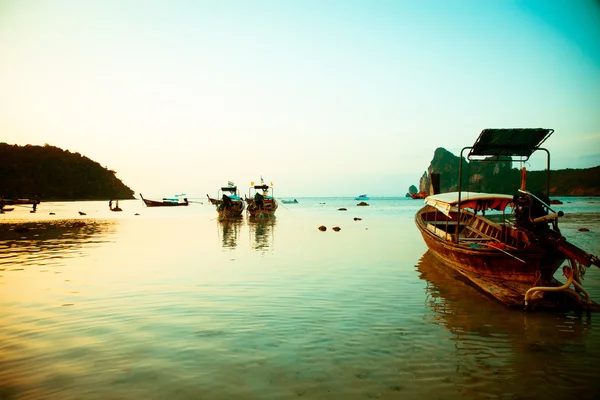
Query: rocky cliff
point(501, 177)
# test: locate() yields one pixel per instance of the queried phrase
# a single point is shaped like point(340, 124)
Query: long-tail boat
point(228, 203)
point(512, 256)
point(165, 202)
point(260, 201)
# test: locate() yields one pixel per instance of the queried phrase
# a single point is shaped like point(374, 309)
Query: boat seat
point(441, 222)
point(439, 232)
point(477, 233)
point(473, 239)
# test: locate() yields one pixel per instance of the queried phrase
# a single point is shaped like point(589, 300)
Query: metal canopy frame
point(503, 145)
point(500, 143)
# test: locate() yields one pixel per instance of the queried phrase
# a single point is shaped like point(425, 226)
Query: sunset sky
point(323, 97)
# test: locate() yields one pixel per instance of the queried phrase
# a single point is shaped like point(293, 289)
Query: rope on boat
point(578, 285)
point(580, 269)
point(506, 252)
point(572, 273)
point(567, 271)
point(580, 289)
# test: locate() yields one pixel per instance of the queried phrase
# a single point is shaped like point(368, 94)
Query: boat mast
point(460, 163)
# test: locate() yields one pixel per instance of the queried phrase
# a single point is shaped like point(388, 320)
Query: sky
point(319, 97)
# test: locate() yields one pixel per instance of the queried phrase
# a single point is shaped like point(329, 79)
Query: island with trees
point(50, 173)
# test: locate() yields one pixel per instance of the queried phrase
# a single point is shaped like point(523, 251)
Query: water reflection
point(230, 231)
point(492, 341)
point(262, 231)
point(47, 242)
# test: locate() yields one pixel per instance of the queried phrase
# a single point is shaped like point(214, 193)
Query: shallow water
point(172, 303)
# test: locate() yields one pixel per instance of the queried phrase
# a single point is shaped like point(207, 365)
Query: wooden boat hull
point(154, 203)
point(232, 210)
point(506, 275)
point(228, 203)
point(268, 207)
point(513, 260)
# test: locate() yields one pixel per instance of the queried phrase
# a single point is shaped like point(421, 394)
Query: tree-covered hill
point(51, 173)
point(503, 177)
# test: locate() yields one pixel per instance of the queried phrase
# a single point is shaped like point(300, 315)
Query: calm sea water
point(173, 304)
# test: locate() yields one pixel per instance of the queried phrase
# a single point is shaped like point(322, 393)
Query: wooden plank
point(439, 232)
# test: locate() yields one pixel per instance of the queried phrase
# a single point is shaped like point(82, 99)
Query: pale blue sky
point(324, 98)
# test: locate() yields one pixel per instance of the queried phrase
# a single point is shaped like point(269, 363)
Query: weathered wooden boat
point(165, 202)
point(511, 256)
point(260, 201)
point(228, 203)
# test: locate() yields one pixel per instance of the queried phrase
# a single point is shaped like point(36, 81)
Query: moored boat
point(260, 201)
point(228, 202)
point(420, 195)
point(512, 256)
point(165, 202)
point(289, 201)
point(362, 197)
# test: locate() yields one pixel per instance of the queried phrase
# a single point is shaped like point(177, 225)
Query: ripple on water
point(158, 310)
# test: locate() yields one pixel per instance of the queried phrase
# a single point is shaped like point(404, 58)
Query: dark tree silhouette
point(51, 173)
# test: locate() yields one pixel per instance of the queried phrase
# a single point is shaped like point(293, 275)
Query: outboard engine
point(530, 208)
point(227, 201)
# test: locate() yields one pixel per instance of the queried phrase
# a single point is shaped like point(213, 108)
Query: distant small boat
point(420, 195)
point(362, 197)
point(166, 202)
point(293, 201)
point(228, 205)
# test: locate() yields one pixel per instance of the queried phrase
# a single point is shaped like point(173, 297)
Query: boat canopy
point(263, 187)
point(519, 142)
point(447, 202)
point(229, 189)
